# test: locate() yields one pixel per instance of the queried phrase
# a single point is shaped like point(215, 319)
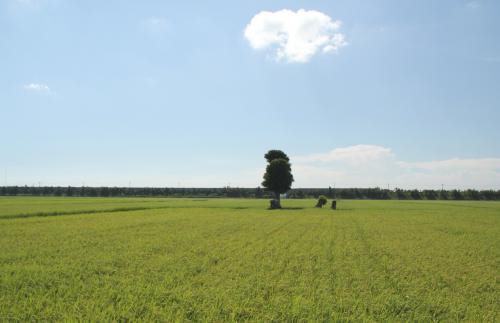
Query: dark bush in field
point(322, 200)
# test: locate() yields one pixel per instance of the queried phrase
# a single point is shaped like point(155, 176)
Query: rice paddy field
point(223, 260)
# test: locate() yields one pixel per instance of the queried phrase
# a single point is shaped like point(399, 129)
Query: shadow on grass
point(310, 208)
point(80, 212)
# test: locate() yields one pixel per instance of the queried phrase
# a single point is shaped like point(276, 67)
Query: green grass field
point(99, 259)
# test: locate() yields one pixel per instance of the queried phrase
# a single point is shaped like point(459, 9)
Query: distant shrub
point(322, 200)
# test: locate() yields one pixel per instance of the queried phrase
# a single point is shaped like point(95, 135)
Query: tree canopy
point(275, 154)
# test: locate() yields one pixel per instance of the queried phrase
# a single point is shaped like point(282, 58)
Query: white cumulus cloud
point(372, 165)
point(354, 154)
point(295, 36)
point(38, 88)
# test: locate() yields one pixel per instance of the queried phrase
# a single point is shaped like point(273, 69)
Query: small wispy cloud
point(473, 4)
point(156, 24)
point(38, 88)
point(491, 59)
point(295, 36)
point(464, 164)
point(26, 2)
point(33, 4)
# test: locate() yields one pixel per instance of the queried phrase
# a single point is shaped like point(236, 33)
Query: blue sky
point(193, 93)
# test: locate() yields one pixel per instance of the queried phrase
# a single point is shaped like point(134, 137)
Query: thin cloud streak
point(38, 88)
point(371, 165)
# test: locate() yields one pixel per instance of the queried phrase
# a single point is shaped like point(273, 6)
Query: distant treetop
point(275, 154)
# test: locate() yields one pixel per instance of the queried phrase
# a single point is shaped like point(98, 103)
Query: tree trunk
point(277, 195)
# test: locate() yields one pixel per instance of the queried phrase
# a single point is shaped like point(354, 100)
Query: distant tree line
point(396, 194)
point(295, 193)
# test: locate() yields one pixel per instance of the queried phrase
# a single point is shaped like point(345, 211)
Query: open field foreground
point(233, 260)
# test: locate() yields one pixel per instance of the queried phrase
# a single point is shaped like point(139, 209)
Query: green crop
point(110, 259)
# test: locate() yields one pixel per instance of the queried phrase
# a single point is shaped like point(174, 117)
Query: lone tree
point(278, 177)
